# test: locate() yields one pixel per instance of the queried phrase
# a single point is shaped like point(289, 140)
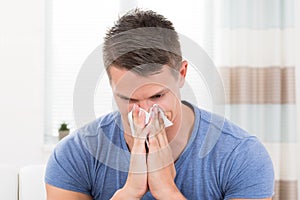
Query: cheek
point(123, 107)
point(170, 107)
point(124, 110)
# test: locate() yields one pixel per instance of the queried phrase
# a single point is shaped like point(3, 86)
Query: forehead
point(127, 82)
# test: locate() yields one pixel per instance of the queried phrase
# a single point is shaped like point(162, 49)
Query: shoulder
point(101, 124)
point(71, 165)
point(241, 159)
point(80, 146)
point(91, 140)
point(222, 124)
point(216, 134)
point(97, 141)
point(212, 131)
point(244, 166)
point(104, 124)
point(76, 142)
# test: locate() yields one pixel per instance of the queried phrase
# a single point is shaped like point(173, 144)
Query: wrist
point(170, 193)
point(177, 195)
point(125, 194)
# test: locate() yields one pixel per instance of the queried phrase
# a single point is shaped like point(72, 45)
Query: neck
point(178, 134)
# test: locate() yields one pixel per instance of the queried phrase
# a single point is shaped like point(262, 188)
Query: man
point(133, 153)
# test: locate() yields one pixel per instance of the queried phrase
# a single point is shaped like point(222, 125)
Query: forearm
point(168, 193)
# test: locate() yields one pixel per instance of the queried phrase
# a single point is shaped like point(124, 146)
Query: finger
point(153, 145)
point(141, 118)
point(154, 122)
point(135, 113)
point(158, 157)
point(138, 157)
point(154, 161)
point(173, 172)
point(161, 140)
point(138, 146)
point(157, 127)
point(138, 121)
point(162, 136)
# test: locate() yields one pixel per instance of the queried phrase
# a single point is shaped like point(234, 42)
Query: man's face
point(162, 88)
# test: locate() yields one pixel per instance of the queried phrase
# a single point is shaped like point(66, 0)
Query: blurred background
point(254, 44)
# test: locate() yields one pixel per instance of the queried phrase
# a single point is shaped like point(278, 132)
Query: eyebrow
point(125, 97)
point(164, 90)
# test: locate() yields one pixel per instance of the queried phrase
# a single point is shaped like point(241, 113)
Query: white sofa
point(26, 183)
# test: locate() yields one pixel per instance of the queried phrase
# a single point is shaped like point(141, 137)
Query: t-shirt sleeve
point(68, 166)
point(250, 172)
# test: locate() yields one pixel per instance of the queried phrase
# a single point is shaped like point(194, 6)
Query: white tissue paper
point(167, 122)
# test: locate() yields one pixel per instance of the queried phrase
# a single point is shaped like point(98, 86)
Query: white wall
point(21, 81)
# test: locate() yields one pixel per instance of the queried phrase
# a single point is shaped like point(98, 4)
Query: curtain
point(253, 45)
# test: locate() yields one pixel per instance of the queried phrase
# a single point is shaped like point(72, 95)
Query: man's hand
point(136, 184)
point(156, 171)
point(160, 163)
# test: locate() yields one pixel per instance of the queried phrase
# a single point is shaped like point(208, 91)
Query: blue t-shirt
point(220, 161)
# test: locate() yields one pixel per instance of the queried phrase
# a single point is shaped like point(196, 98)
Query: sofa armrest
point(31, 183)
point(9, 182)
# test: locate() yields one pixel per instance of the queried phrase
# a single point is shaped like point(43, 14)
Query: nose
point(145, 104)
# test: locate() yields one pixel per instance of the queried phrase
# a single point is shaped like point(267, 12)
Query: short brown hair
point(142, 41)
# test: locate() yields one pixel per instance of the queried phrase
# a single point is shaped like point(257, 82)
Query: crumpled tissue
point(167, 122)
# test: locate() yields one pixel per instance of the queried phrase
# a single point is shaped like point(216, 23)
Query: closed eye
point(157, 96)
point(130, 100)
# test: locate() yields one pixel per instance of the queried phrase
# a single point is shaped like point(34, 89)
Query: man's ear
point(182, 73)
